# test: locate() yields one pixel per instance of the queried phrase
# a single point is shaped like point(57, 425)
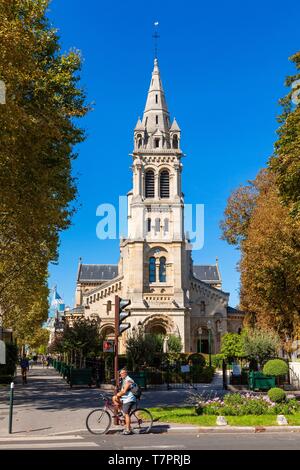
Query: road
point(161, 442)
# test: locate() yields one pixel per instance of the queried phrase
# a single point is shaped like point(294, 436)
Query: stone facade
point(168, 294)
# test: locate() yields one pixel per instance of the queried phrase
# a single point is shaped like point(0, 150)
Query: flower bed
point(238, 405)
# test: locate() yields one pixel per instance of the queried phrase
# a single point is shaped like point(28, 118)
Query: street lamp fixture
point(209, 340)
point(200, 334)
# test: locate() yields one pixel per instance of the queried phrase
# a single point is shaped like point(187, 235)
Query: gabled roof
point(97, 272)
point(174, 126)
point(207, 273)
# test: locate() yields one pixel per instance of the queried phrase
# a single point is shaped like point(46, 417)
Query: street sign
point(185, 368)
point(108, 346)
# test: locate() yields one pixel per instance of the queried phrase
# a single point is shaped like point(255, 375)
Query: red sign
point(108, 346)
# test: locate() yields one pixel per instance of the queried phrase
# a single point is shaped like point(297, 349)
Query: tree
point(39, 130)
point(232, 346)
point(270, 256)
point(174, 344)
point(81, 340)
point(39, 339)
point(285, 163)
point(141, 347)
point(261, 344)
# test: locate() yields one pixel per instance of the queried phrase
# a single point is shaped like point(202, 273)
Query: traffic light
point(122, 315)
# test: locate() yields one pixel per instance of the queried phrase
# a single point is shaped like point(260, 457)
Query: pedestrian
point(24, 364)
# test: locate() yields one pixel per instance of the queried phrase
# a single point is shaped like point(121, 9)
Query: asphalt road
point(162, 442)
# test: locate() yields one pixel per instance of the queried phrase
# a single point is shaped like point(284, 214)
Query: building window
point(148, 225)
point(166, 225)
point(156, 98)
point(156, 143)
point(149, 183)
point(162, 269)
point(156, 119)
point(164, 184)
point(157, 225)
point(152, 272)
point(202, 307)
point(108, 306)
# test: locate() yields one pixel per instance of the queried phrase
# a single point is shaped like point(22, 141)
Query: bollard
point(11, 404)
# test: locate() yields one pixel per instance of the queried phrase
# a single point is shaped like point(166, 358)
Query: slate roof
point(207, 273)
point(234, 311)
point(97, 272)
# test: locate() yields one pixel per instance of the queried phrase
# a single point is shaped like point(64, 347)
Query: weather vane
point(155, 37)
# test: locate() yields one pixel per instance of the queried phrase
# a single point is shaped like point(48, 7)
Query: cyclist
point(24, 364)
point(125, 399)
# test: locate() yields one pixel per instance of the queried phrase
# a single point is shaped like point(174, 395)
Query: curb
point(227, 429)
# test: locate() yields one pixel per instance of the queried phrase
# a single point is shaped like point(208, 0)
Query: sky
point(223, 66)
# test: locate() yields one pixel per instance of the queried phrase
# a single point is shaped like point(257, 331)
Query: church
point(169, 294)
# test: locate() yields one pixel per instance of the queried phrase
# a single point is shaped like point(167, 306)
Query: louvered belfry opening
point(149, 183)
point(164, 184)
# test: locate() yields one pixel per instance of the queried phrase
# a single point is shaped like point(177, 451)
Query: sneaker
point(126, 432)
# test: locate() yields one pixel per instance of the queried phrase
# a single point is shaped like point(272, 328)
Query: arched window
point(152, 273)
point(139, 140)
point(175, 142)
point(166, 225)
point(164, 184)
point(149, 183)
point(148, 225)
point(162, 269)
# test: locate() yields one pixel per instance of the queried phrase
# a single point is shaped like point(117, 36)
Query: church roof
point(207, 273)
point(97, 272)
point(234, 311)
point(174, 126)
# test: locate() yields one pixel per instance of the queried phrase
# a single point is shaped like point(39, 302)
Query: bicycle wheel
point(98, 421)
point(141, 421)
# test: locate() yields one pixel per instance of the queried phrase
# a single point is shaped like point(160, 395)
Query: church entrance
point(203, 346)
point(156, 330)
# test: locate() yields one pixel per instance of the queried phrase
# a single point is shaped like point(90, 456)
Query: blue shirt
point(128, 396)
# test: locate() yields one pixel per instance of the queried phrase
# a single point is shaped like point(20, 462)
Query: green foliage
point(239, 405)
point(217, 360)
point(276, 367)
point(174, 344)
point(232, 346)
point(39, 131)
point(197, 359)
point(261, 344)
point(81, 339)
point(286, 161)
point(141, 348)
point(276, 394)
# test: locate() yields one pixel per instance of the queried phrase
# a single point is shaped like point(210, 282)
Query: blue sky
point(223, 66)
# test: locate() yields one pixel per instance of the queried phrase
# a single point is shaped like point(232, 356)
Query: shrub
point(216, 360)
point(275, 367)
point(197, 359)
point(276, 394)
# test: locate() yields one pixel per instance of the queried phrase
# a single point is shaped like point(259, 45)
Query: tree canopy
point(39, 129)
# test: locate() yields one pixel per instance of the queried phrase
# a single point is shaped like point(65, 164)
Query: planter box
point(80, 377)
point(259, 381)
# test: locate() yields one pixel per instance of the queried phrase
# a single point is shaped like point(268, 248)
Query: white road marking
point(48, 445)
point(37, 438)
point(154, 447)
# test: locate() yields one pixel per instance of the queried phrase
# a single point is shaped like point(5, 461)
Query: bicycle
point(99, 420)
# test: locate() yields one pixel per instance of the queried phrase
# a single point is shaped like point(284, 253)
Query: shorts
point(127, 407)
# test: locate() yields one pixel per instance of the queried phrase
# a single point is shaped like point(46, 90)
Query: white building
point(168, 293)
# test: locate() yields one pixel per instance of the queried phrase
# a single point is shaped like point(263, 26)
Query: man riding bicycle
point(125, 399)
point(24, 364)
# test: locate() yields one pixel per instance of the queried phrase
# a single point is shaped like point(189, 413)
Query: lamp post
point(200, 333)
point(209, 340)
